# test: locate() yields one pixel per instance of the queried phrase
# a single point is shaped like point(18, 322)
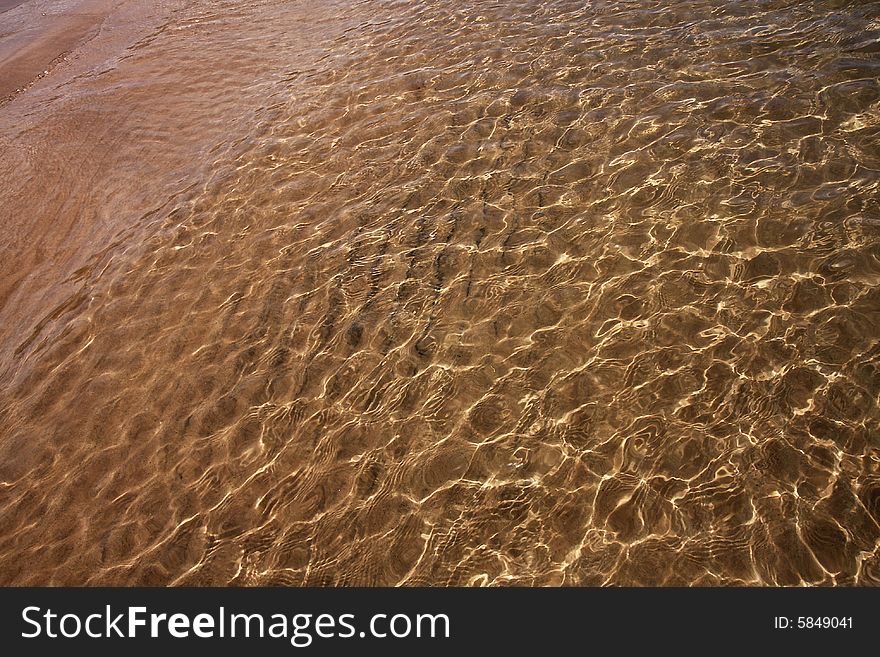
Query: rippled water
point(446, 293)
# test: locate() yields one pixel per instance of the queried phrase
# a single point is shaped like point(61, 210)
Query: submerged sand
point(440, 293)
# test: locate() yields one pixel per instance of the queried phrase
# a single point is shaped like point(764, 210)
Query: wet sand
point(9, 4)
point(440, 293)
point(33, 42)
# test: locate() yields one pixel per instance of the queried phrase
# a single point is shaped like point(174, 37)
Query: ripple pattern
point(521, 293)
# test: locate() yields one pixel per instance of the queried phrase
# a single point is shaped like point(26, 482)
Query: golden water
point(445, 292)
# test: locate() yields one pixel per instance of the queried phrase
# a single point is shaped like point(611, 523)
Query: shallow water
point(447, 293)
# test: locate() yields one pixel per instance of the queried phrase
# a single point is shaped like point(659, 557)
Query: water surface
point(446, 293)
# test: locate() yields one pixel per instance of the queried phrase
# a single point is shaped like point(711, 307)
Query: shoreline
point(38, 41)
point(6, 5)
